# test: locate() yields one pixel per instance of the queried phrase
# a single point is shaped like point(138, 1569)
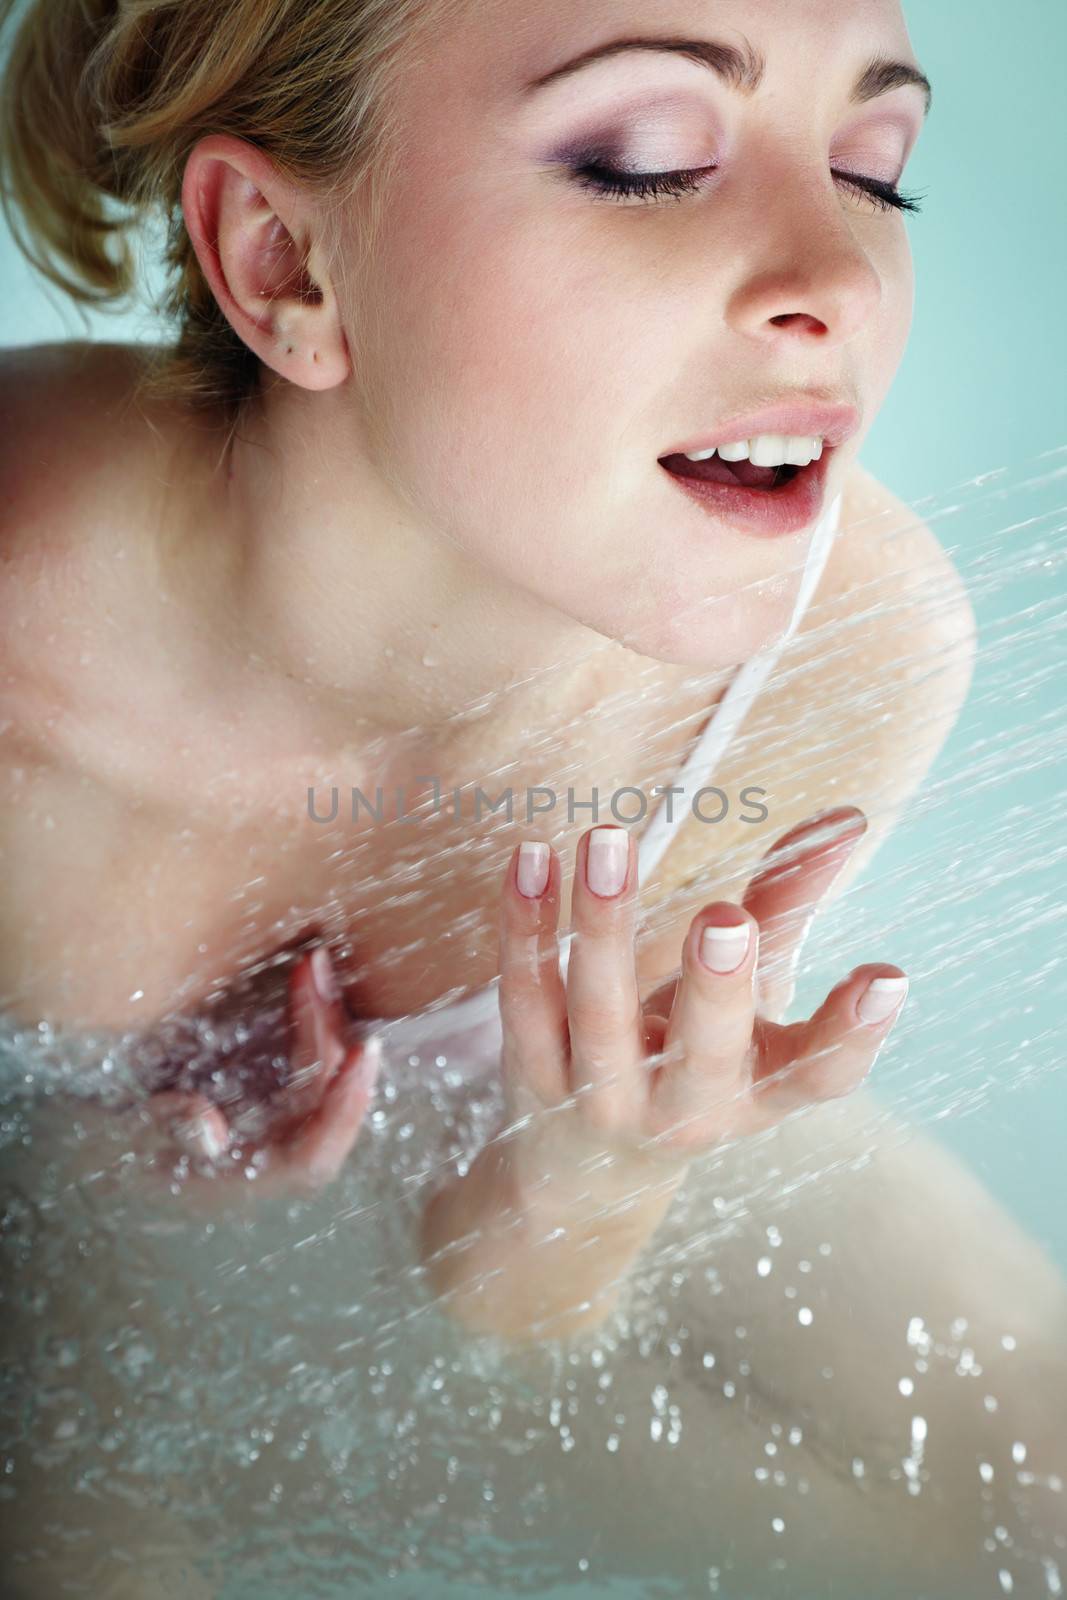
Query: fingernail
point(323, 974)
point(370, 1063)
point(197, 1136)
point(606, 860)
point(724, 949)
point(881, 998)
point(532, 872)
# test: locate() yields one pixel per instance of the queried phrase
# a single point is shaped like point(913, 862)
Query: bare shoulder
point(878, 671)
point(85, 465)
point(892, 591)
point(73, 435)
point(883, 661)
point(71, 392)
point(889, 569)
point(861, 702)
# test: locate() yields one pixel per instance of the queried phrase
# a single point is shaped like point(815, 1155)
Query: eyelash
point(608, 182)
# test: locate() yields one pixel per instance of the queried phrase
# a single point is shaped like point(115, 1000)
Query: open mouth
point(715, 470)
point(765, 501)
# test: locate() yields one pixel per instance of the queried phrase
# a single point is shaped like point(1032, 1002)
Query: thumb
point(316, 1048)
point(784, 895)
point(191, 1122)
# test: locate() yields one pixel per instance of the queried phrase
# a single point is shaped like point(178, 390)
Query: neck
point(342, 590)
point(315, 582)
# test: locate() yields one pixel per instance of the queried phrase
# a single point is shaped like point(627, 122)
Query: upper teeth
point(766, 450)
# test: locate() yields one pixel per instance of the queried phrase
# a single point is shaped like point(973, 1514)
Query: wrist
point(530, 1251)
point(558, 1167)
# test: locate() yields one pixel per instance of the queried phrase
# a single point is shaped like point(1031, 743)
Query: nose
point(811, 279)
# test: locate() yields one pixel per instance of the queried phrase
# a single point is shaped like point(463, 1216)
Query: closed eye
point(885, 195)
point(611, 183)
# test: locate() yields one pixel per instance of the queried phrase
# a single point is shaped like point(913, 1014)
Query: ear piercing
point(289, 350)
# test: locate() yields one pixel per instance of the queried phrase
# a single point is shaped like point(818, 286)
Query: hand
point(644, 1089)
point(326, 1101)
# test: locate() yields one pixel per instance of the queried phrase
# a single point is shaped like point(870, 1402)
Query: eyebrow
point(744, 69)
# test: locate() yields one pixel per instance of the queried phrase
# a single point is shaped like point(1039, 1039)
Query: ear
point(255, 236)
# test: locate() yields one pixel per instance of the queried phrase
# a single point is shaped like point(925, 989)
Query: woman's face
point(529, 349)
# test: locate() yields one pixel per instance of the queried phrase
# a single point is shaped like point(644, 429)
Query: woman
point(460, 292)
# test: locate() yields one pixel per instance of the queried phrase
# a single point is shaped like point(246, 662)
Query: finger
point(189, 1124)
point(831, 1053)
point(709, 1036)
point(784, 894)
point(603, 999)
point(188, 1145)
point(323, 1144)
point(317, 1047)
point(533, 1001)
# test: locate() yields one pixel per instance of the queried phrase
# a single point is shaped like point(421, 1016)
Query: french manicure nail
point(323, 974)
point(532, 872)
point(606, 860)
point(197, 1136)
point(723, 949)
point(881, 998)
point(370, 1062)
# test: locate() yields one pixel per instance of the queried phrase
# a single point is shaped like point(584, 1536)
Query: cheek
point(902, 269)
point(898, 305)
point(506, 382)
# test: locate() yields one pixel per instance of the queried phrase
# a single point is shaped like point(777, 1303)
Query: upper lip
point(834, 423)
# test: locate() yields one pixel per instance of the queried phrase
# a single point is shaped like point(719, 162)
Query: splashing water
point(838, 1367)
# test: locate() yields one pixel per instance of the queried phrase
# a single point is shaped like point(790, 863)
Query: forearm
point(533, 1262)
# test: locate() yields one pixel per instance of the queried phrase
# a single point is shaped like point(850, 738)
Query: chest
point(128, 908)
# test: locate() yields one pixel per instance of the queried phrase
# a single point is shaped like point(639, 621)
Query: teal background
point(982, 381)
point(981, 388)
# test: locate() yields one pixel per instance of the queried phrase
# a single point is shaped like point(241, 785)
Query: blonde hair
point(101, 102)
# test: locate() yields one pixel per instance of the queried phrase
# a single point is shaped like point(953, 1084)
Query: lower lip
point(765, 513)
